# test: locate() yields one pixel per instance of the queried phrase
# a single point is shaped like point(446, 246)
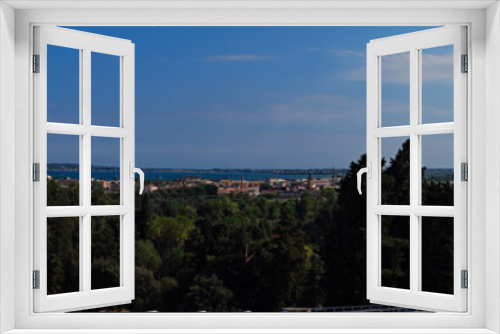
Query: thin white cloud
point(395, 107)
point(358, 74)
point(396, 69)
point(306, 109)
point(236, 57)
point(316, 109)
point(347, 53)
point(323, 98)
point(338, 52)
point(437, 68)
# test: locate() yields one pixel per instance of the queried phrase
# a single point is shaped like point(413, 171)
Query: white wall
point(478, 148)
point(7, 163)
point(492, 157)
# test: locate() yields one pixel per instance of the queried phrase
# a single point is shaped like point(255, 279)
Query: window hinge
point(464, 171)
point(36, 172)
point(36, 63)
point(36, 279)
point(465, 279)
point(465, 63)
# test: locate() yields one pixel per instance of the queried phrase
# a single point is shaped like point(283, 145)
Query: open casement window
point(400, 237)
point(73, 235)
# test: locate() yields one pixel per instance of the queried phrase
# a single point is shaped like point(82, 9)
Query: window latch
point(368, 171)
point(132, 171)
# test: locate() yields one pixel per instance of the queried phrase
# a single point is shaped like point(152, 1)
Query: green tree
point(147, 291)
point(313, 294)
point(282, 284)
point(208, 294)
point(344, 251)
point(105, 251)
point(63, 255)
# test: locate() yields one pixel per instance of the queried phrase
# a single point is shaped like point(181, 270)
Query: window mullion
point(415, 253)
point(85, 164)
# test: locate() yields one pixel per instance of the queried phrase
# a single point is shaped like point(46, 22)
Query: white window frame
point(86, 44)
point(414, 43)
point(482, 19)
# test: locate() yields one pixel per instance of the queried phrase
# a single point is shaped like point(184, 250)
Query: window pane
point(437, 254)
point(395, 170)
point(63, 170)
point(437, 84)
point(63, 255)
point(105, 252)
point(395, 90)
point(105, 89)
point(105, 171)
point(437, 170)
point(396, 252)
point(63, 85)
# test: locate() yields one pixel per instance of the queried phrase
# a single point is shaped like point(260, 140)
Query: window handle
point(139, 171)
point(368, 171)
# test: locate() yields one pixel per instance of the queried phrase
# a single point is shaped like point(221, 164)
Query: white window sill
point(249, 331)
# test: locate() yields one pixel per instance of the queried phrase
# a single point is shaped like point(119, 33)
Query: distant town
point(253, 182)
point(274, 186)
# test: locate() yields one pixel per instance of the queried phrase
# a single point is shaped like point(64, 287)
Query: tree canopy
point(199, 251)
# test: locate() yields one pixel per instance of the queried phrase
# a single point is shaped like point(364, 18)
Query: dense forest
point(198, 251)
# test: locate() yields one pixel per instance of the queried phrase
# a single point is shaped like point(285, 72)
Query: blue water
point(168, 175)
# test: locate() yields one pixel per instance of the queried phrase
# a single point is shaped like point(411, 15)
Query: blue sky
point(247, 97)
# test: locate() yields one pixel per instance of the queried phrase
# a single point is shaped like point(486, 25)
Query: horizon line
point(229, 168)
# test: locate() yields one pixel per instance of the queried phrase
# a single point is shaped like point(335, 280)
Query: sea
point(172, 175)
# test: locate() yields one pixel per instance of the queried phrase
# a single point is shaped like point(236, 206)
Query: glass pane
point(63, 170)
point(105, 171)
point(105, 252)
point(437, 84)
point(395, 89)
point(63, 255)
point(396, 252)
point(63, 85)
point(437, 254)
point(105, 89)
point(437, 169)
point(395, 170)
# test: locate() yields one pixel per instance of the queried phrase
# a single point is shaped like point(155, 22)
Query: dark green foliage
point(396, 252)
point(396, 230)
point(63, 255)
point(101, 196)
point(437, 257)
point(208, 294)
point(105, 252)
point(197, 251)
point(313, 293)
point(396, 178)
point(147, 290)
point(57, 196)
point(344, 248)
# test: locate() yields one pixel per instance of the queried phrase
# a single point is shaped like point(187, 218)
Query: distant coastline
point(277, 171)
point(70, 170)
point(65, 171)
